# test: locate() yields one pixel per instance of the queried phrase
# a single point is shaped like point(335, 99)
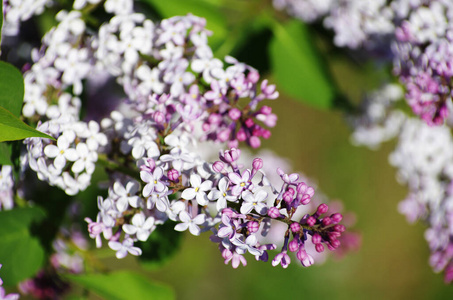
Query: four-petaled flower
point(123, 248)
point(254, 201)
point(222, 194)
point(153, 180)
point(198, 190)
point(140, 226)
point(190, 223)
point(241, 183)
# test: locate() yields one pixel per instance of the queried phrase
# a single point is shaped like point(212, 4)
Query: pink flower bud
point(241, 135)
point(311, 221)
point(224, 135)
point(319, 248)
point(322, 209)
point(316, 238)
point(326, 221)
point(205, 126)
point(253, 76)
point(249, 123)
point(254, 142)
point(234, 114)
point(339, 228)
point(336, 218)
point(293, 246)
point(218, 166)
point(173, 174)
point(266, 110)
point(253, 226)
point(257, 163)
point(214, 118)
point(295, 227)
point(158, 117)
point(273, 212)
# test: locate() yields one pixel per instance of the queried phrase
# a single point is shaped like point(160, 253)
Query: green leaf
point(215, 20)
point(12, 129)
point(5, 154)
point(297, 67)
point(1, 22)
point(123, 285)
point(20, 253)
point(161, 245)
point(12, 88)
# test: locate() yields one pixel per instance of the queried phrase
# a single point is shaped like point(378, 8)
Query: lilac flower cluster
point(424, 160)
point(258, 204)
point(416, 34)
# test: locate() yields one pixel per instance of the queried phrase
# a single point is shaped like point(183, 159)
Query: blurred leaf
point(215, 20)
point(161, 245)
point(12, 129)
point(123, 285)
point(20, 253)
point(5, 154)
point(298, 68)
point(1, 22)
point(11, 88)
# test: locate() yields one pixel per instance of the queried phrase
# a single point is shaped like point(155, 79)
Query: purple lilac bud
point(336, 218)
point(218, 166)
point(326, 221)
point(234, 114)
point(273, 212)
point(253, 226)
point(316, 238)
point(311, 221)
point(322, 209)
point(293, 246)
point(257, 164)
point(254, 142)
point(295, 227)
point(158, 117)
point(319, 248)
point(173, 174)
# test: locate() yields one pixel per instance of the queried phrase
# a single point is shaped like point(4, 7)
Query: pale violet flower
point(254, 201)
point(126, 194)
point(197, 190)
point(140, 226)
point(61, 152)
point(153, 180)
point(222, 194)
point(188, 222)
point(123, 248)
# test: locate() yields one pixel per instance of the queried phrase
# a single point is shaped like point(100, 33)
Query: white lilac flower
point(119, 7)
point(125, 195)
point(61, 152)
point(197, 190)
point(123, 248)
point(86, 159)
point(222, 195)
point(141, 226)
point(6, 187)
point(150, 80)
point(154, 183)
point(188, 222)
point(255, 202)
point(241, 183)
point(248, 245)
